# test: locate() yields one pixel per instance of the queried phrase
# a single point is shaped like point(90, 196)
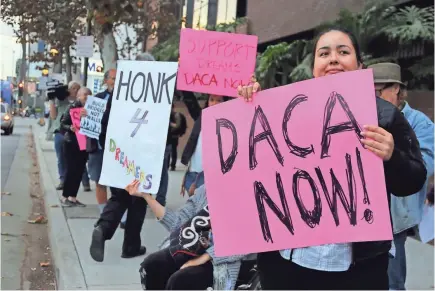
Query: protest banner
point(90, 125)
point(288, 170)
point(75, 118)
point(215, 62)
point(138, 124)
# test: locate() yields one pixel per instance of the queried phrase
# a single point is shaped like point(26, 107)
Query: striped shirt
point(328, 257)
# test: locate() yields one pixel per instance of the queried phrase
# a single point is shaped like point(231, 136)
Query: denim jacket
point(406, 212)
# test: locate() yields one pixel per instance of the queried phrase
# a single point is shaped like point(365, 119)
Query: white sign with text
point(85, 46)
point(91, 124)
point(138, 124)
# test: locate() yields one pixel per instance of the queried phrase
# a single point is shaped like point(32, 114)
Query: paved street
point(24, 246)
point(70, 229)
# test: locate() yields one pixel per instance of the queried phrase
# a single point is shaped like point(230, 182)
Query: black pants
point(277, 273)
point(119, 202)
point(173, 159)
point(159, 271)
point(75, 165)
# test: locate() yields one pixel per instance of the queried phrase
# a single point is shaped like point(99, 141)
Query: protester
point(192, 154)
point(57, 109)
point(120, 201)
point(406, 212)
point(181, 125)
point(74, 157)
point(360, 265)
point(430, 196)
point(95, 150)
point(176, 268)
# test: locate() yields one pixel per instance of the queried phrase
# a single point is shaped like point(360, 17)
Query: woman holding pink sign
point(75, 158)
point(360, 265)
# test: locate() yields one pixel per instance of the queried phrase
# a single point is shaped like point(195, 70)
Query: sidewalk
point(71, 229)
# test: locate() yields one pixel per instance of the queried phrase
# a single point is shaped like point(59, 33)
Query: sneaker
point(60, 186)
point(66, 203)
point(87, 188)
point(78, 203)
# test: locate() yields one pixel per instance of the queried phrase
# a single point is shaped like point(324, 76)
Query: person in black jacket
point(95, 150)
point(359, 265)
point(120, 201)
point(192, 153)
point(75, 158)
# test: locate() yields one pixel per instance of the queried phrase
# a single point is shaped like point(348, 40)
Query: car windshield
point(3, 108)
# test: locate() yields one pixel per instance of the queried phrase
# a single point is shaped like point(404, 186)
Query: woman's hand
point(197, 261)
point(378, 141)
point(133, 190)
point(247, 92)
point(73, 128)
point(83, 112)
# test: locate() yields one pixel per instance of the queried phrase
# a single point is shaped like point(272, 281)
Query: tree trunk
point(57, 67)
point(68, 65)
point(108, 50)
point(23, 67)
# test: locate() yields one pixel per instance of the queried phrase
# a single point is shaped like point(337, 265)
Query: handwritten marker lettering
point(139, 121)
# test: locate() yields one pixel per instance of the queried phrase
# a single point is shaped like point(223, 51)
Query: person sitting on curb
point(177, 267)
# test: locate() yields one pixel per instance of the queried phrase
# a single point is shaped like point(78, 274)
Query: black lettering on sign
point(337, 189)
point(121, 84)
point(311, 218)
point(147, 84)
point(266, 134)
point(229, 162)
point(294, 149)
point(262, 196)
point(165, 83)
point(140, 74)
point(329, 130)
point(154, 92)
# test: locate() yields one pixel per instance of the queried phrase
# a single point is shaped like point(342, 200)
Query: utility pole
point(88, 32)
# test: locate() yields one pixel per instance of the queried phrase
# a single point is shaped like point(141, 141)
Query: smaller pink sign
point(215, 62)
point(75, 117)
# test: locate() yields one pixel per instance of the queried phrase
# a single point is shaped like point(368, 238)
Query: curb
point(68, 270)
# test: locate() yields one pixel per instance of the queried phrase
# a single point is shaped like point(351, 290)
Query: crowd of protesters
point(403, 139)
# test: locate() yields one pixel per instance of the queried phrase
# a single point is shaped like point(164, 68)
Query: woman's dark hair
point(206, 102)
point(343, 30)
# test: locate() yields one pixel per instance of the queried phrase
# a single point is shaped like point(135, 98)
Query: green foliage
point(410, 24)
point(379, 19)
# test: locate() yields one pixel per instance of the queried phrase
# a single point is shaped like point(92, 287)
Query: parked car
point(7, 118)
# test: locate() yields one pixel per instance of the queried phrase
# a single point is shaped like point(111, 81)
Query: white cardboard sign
point(138, 124)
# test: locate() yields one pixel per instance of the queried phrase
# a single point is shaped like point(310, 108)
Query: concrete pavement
point(71, 230)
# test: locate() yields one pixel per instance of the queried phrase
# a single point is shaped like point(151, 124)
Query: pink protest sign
point(215, 62)
point(289, 171)
point(75, 117)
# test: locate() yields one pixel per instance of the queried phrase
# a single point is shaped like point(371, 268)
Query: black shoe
point(97, 244)
point(172, 168)
point(60, 186)
point(141, 252)
point(87, 188)
point(122, 225)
